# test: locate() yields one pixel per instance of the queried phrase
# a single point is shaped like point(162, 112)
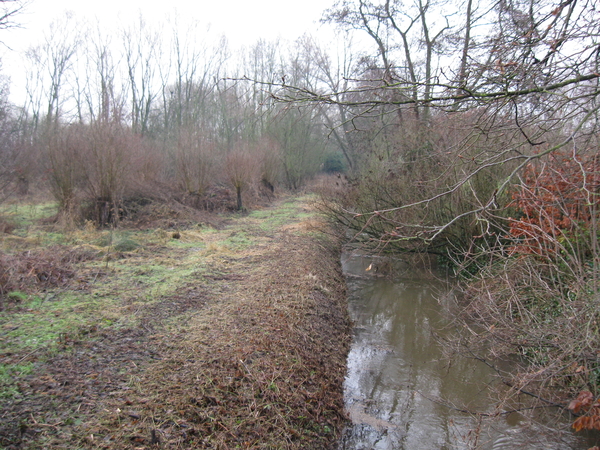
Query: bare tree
point(301, 144)
point(51, 65)
point(9, 10)
point(142, 57)
point(408, 37)
point(332, 73)
point(241, 167)
point(519, 71)
point(8, 149)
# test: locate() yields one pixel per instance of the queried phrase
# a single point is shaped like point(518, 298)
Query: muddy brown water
point(401, 392)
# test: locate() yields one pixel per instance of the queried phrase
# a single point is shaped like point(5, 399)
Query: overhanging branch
point(300, 94)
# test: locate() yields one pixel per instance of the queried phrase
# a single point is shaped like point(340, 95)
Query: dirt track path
point(247, 353)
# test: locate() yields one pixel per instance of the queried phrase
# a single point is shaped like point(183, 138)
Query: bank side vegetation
point(471, 131)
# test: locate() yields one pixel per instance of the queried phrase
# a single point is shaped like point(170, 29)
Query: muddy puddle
point(402, 393)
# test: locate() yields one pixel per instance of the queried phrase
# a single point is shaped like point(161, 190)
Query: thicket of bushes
point(94, 170)
point(524, 242)
point(419, 181)
point(163, 113)
point(539, 295)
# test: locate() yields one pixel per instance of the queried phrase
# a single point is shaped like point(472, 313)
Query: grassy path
point(205, 338)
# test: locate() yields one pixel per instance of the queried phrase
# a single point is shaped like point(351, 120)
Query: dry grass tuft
point(35, 270)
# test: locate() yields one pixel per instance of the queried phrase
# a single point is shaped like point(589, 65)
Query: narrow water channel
point(401, 392)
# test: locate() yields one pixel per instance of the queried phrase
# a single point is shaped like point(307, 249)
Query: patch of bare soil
point(250, 356)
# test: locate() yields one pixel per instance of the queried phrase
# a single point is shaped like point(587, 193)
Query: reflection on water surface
point(401, 393)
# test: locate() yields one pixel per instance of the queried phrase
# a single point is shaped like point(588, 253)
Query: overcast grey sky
point(243, 22)
point(240, 20)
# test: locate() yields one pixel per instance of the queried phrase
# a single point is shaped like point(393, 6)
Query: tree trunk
point(238, 191)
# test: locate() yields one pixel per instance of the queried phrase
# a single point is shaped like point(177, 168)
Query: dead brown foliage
point(36, 270)
point(262, 369)
point(250, 355)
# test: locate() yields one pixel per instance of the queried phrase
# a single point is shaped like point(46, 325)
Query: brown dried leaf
point(583, 401)
point(581, 423)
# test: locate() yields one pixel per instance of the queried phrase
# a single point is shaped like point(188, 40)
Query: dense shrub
point(557, 203)
point(538, 297)
point(414, 188)
point(334, 163)
point(93, 168)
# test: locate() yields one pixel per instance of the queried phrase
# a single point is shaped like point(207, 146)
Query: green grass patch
point(287, 213)
point(23, 215)
point(238, 240)
point(47, 321)
point(17, 296)
point(10, 375)
point(134, 269)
